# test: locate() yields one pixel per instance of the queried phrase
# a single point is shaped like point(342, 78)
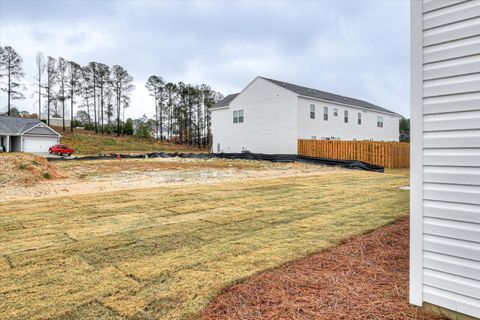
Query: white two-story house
point(269, 116)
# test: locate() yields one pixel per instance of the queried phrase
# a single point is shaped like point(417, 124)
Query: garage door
point(38, 144)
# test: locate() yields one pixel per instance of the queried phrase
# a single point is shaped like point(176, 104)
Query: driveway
point(47, 155)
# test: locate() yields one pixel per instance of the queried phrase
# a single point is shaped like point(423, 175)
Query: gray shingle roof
point(308, 92)
point(14, 125)
point(225, 101)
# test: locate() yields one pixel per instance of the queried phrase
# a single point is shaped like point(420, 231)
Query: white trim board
point(416, 147)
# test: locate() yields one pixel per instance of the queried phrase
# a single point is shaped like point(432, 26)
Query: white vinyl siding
point(445, 185)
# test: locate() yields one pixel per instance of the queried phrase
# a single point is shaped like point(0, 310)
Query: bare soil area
point(366, 277)
point(19, 170)
point(83, 177)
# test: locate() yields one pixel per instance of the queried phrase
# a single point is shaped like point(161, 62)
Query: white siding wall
point(270, 121)
point(335, 126)
point(445, 202)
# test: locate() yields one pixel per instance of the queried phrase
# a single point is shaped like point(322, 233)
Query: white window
point(380, 121)
point(325, 113)
point(359, 118)
point(238, 116)
point(335, 112)
point(345, 116)
point(235, 116)
point(312, 111)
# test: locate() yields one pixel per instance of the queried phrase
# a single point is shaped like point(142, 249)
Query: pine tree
point(74, 86)
point(11, 69)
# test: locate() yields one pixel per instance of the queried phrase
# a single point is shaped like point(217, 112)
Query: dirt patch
point(23, 169)
point(364, 278)
point(111, 175)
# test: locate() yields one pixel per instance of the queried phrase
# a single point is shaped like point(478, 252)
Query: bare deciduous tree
point(41, 65)
point(50, 84)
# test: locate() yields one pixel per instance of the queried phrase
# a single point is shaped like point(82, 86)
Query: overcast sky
point(354, 48)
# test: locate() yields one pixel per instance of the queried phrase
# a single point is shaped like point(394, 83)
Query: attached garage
point(26, 135)
point(38, 144)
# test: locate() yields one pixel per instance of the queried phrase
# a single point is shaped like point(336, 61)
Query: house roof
point(225, 101)
point(14, 125)
point(313, 93)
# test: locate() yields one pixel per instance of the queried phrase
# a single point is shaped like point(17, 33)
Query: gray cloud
point(355, 48)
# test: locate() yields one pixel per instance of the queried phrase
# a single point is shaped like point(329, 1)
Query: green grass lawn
point(164, 253)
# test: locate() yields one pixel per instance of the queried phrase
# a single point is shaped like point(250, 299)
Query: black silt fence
point(350, 164)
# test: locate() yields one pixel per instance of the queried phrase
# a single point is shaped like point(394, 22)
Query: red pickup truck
point(60, 149)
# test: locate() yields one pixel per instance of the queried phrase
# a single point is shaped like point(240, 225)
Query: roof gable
point(41, 129)
point(323, 95)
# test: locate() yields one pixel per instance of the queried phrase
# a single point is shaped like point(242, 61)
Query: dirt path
point(84, 177)
point(364, 278)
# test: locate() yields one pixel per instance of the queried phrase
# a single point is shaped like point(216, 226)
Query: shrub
point(128, 127)
point(46, 175)
point(22, 166)
point(109, 129)
point(76, 123)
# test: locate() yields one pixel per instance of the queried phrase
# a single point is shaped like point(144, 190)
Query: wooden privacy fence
point(385, 154)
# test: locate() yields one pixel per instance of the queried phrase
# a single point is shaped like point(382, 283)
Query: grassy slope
point(87, 143)
point(163, 253)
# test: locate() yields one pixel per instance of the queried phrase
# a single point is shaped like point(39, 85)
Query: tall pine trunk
point(71, 109)
point(118, 114)
point(39, 94)
point(95, 105)
point(9, 91)
point(101, 106)
point(48, 103)
point(63, 112)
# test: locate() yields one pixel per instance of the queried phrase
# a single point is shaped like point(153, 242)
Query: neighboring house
point(58, 122)
point(269, 116)
point(26, 135)
point(445, 157)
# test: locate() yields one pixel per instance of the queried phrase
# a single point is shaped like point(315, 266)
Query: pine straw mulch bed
point(366, 277)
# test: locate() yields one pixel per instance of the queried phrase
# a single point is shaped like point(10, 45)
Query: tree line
point(101, 93)
point(182, 111)
point(62, 86)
